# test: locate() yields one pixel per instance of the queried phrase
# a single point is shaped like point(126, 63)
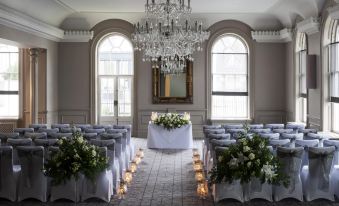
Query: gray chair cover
point(295, 126)
point(256, 126)
point(279, 143)
point(98, 131)
point(275, 126)
point(83, 127)
point(32, 181)
point(257, 131)
point(129, 138)
point(335, 143)
point(290, 159)
point(60, 135)
point(270, 135)
point(90, 136)
point(5, 136)
point(8, 175)
point(316, 177)
point(320, 137)
point(60, 126)
point(305, 144)
point(292, 137)
point(22, 131)
point(36, 135)
point(15, 143)
point(307, 131)
point(102, 187)
point(113, 161)
point(206, 142)
point(36, 127)
point(69, 129)
point(282, 131)
point(49, 131)
point(217, 143)
point(234, 132)
point(125, 148)
point(106, 127)
point(233, 126)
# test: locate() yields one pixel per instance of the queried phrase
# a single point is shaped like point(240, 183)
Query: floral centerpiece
point(170, 120)
point(249, 158)
point(74, 157)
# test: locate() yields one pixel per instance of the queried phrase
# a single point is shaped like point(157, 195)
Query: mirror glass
point(173, 85)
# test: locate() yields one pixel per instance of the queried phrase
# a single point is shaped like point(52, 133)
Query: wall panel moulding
point(309, 26)
point(333, 11)
point(282, 36)
point(77, 36)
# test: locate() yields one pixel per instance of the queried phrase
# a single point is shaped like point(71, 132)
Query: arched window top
point(115, 43)
point(229, 43)
point(8, 48)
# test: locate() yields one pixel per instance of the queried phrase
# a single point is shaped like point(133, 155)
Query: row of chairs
point(113, 143)
point(217, 138)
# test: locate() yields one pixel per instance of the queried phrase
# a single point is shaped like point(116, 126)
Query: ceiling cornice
point(17, 20)
point(309, 26)
point(282, 36)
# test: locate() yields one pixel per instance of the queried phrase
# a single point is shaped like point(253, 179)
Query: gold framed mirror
point(173, 88)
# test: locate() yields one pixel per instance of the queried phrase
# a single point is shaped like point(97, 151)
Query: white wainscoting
point(198, 118)
point(74, 116)
point(269, 116)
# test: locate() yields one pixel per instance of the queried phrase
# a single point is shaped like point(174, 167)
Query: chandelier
point(167, 38)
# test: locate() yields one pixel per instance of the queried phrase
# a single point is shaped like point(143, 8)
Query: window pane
point(229, 107)
point(302, 109)
point(335, 117)
point(9, 106)
point(229, 63)
point(230, 83)
point(125, 96)
point(302, 72)
point(229, 44)
point(107, 96)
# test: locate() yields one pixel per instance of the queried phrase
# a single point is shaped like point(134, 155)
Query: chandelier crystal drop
point(167, 35)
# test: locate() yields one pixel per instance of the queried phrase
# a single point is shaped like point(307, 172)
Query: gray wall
point(269, 66)
point(26, 40)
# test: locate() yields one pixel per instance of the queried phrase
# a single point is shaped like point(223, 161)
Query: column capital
point(34, 52)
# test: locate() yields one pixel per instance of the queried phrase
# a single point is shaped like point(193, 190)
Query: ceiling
point(84, 14)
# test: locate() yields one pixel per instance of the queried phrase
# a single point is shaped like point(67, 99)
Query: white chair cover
point(278, 143)
point(257, 131)
point(257, 190)
point(290, 159)
point(296, 126)
point(70, 190)
point(36, 135)
point(125, 149)
point(320, 137)
point(206, 141)
point(102, 187)
point(305, 144)
point(46, 143)
point(225, 190)
point(270, 135)
point(83, 127)
point(233, 126)
point(36, 127)
point(99, 126)
point(59, 126)
point(335, 143)
point(234, 132)
point(90, 136)
point(217, 143)
point(281, 131)
point(8, 175)
point(49, 131)
point(113, 161)
point(98, 131)
point(292, 137)
point(256, 126)
point(275, 126)
point(60, 135)
point(22, 131)
point(316, 177)
point(32, 181)
point(130, 144)
point(15, 143)
point(5, 136)
point(69, 130)
point(308, 131)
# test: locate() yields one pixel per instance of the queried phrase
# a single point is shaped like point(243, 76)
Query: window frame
point(225, 93)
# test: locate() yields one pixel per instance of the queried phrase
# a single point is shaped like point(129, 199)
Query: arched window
point(333, 77)
point(230, 82)
point(301, 97)
point(114, 79)
point(9, 81)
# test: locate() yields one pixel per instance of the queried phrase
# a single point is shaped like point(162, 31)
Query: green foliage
point(171, 120)
point(75, 156)
point(249, 158)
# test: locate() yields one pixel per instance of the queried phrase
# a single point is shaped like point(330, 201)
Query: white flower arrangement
point(170, 120)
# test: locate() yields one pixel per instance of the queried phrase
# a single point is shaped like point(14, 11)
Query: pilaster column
point(34, 55)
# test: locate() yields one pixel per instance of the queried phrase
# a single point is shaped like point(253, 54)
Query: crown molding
point(77, 36)
point(333, 11)
point(309, 26)
point(282, 36)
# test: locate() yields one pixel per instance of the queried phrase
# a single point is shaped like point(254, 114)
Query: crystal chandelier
point(167, 36)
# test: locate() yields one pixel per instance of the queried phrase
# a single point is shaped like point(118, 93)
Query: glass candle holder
point(198, 165)
point(196, 157)
point(202, 189)
point(128, 177)
point(122, 190)
point(133, 167)
point(140, 153)
point(199, 176)
point(137, 160)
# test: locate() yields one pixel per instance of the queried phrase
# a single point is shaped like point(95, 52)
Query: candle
point(128, 177)
point(196, 157)
point(137, 160)
point(199, 176)
point(133, 167)
point(202, 189)
point(197, 165)
point(122, 189)
point(140, 153)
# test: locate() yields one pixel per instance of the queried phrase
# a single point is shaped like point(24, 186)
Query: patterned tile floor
point(164, 177)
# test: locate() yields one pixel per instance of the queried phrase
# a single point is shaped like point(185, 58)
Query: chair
point(233, 126)
point(70, 190)
point(256, 126)
point(106, 127)
point(117, 149)
point(257, 190)
point(102, 187)
point(113, 161)
point(275, 126)
point(278, 143)
point(125, 149)
point(316, 178)
point(290, 159)
point(292, 137)
point(305, 144)
point(282, 131)
point(296, 126)
point(60, 135)
point(83, 127)
point(335, 143)
point(257, 131)
point(46, 143)
point(270, 135)
point(8, 174)
point(90, 136)
point(5, 136)
point(308, 131)
point(206, 141)
point(15, 143)
point(22, 131)
point(235, 132)
point(217, 143)
point(129, 138)
point(69, 130)
point(320, 137)
point(49, 131)
point(36, 127)
point(204, 146)
point(225, 190)
point(59, 126)
point(98, 131)
point(36, 135)
point(32, 181)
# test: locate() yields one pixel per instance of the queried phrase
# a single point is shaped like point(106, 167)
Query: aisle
point(165, 177)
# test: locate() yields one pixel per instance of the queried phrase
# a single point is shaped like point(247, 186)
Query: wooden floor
point(164, 177)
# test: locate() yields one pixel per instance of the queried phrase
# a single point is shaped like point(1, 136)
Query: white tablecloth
point(159, 137)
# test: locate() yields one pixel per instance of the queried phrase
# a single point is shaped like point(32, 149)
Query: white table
point(160, 138)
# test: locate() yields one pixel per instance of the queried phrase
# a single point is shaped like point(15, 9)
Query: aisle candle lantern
point(140, 153)
point(196, 157)
point(202, 189)
point(133, 167)
point(122, 189)
point(137, 160)
point(198, 165)
point(128, 176)
point(199, 176)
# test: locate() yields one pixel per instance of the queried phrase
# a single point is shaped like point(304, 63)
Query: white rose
point(220, 158)
point(94, 153)
point(251, 156)
point(249, 164)
point(246, 149)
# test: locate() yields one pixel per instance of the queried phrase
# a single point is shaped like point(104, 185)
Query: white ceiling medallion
point(282, 36)
point(309, 26)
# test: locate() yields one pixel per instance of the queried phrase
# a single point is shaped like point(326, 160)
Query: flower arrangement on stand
point(74, 157)
point(249, 158)
point(170, 120)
